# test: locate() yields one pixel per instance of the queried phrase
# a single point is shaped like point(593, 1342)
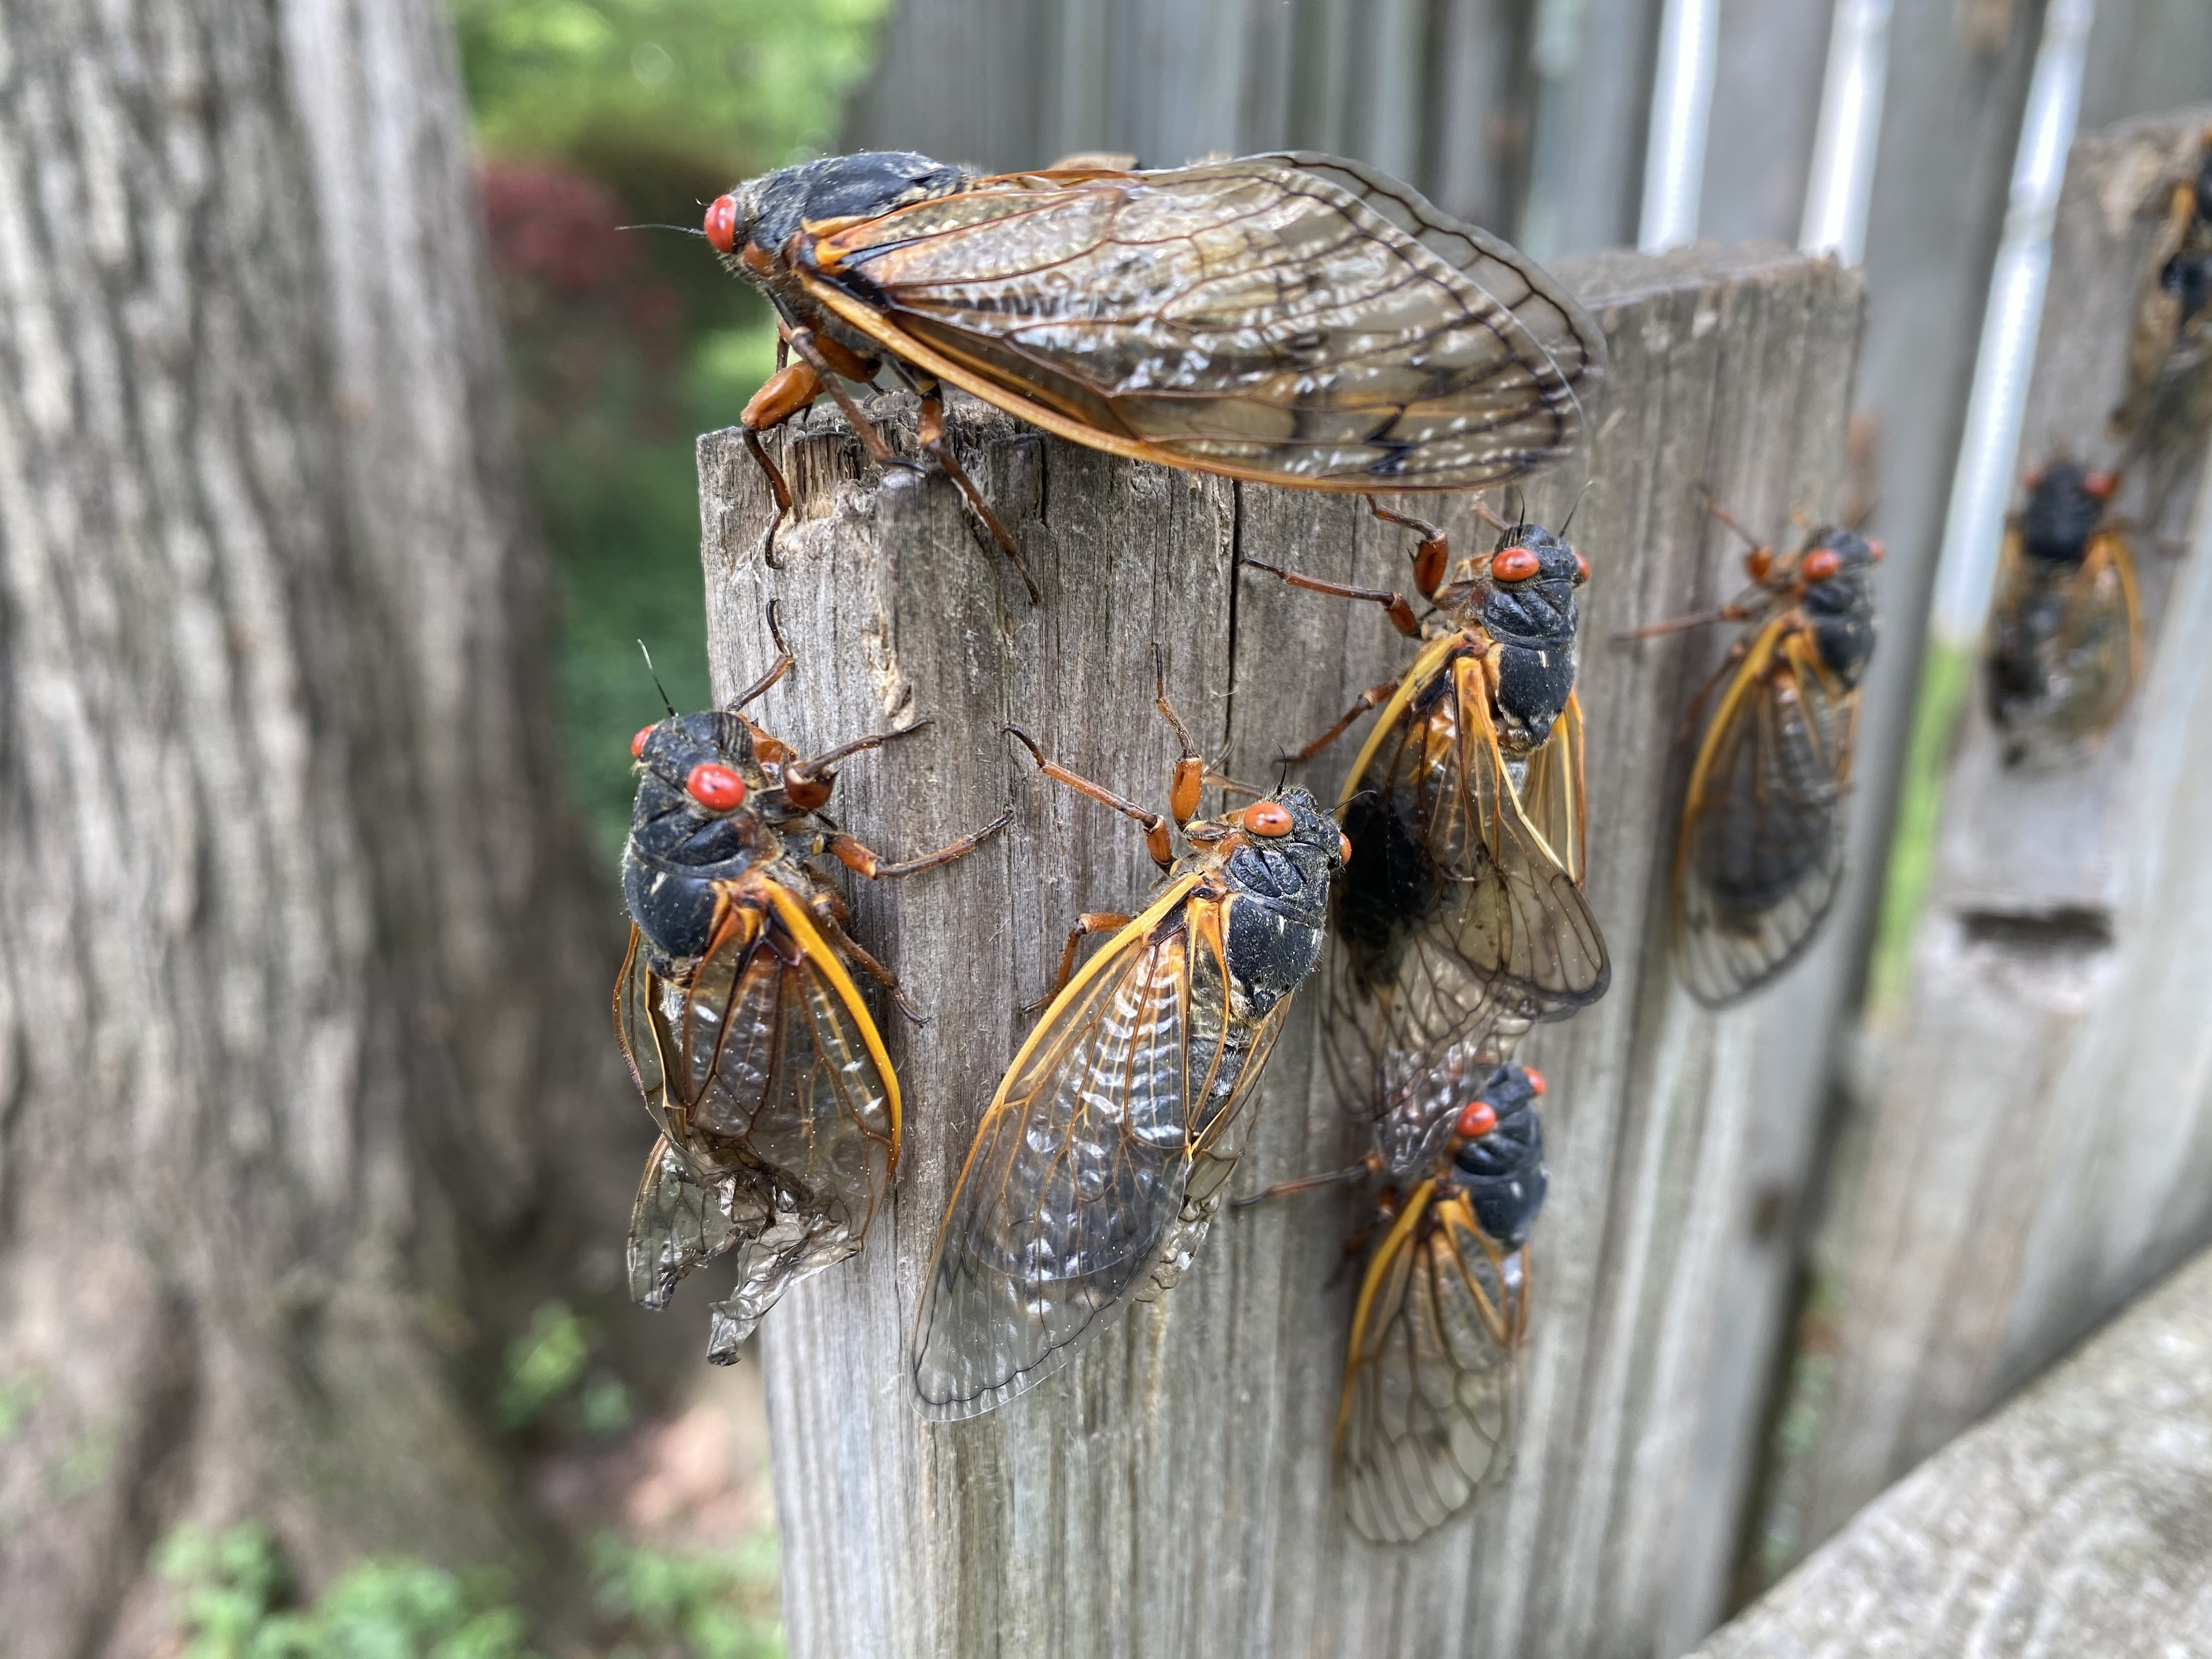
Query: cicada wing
point(1761, 856)
point(679, 1222)
point(1253, 318)
point(1553, 795)
point(2156, 323)
point(1538, 299)
point(778, 1108)
point(641, 1025)
point(1074, 1190)
point(778, 1061)
point(1431, 1380)
point(2103, 632)
point(1472, 926)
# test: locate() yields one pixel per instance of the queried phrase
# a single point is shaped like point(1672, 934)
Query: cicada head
point(1834, 571)
point(696, 822)
point(1498, 1154)
point(1529, 598)
point(1281, 853)
point(752, 226)
point(2064, 503)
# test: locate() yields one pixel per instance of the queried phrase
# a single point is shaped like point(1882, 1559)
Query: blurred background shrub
point(592, 115)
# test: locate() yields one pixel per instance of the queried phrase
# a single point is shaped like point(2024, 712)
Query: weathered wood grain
point(2076, 1520)
point(2036, 1140)
point(1170, 1493)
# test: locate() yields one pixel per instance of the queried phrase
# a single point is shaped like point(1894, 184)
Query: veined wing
point(1553, 793)
point(768, 1064)
point(1431, 1382)
point(1457, 920)
point(1254, 317)
point(1762, 855)
point(679, 1222)
point(1566, 331)
point(1080, 1165)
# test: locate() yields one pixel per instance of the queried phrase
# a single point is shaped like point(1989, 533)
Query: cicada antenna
point(666, 701)
point(683, 230)
point(1575, 508)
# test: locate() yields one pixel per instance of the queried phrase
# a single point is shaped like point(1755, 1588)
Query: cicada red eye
point(1821, 563)
point(2099, 486)
point(1515, 564)
point(722, 224)
point(717, 788)
point(1536, 1079)
point(637, 742)
point(1582, 567)
point(1343, 848)
point(1267, 817)
point(1477, 1120)
point(1875, 550)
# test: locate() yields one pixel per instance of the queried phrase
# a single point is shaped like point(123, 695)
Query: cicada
point(1461, 909)
point(1760, 853)
point(778, 1108)
point(1098, 1167)
point(2065, 626)
point(1290, 318)
point(2169, 387)
point(1431, 1374)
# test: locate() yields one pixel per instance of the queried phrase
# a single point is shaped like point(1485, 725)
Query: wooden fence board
point(2073, 1521)
point(1171, 1492)
point(2036, 1143)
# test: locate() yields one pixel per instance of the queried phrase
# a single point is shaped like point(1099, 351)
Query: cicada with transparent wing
point(1098, 1167)
point(1759, 857)
point(1290, 318)
point(738, 1010)
point(2065, 625)
point(2169, 386)
point(1461, 909)
point(1431, 1380)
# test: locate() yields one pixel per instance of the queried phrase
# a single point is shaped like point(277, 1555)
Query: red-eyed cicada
point(1460, 912)
point(2065, 626)
point(2169, 387)
point(1098, 1167)
point(1289, 318)
point(1432, 1371)
point(1760, 853)
point(778, 1108)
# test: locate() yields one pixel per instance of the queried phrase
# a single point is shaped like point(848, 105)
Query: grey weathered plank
point(1170, 1493)
point(2036, 1141)
point(2074, 1522)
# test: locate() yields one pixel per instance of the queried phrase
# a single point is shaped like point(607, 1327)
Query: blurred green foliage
point(548, 1373)
point(237, 1602)
point(592, 115)
point(719, 1604)
point(235, 1586)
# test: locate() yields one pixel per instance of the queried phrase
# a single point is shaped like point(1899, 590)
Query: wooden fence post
point(2036, 1144)
point(1172, 1493)
point(2072, 1522)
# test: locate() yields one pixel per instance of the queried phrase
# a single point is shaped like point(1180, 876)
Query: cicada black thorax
point(1474, 1128)
point(1530, 620)
point(756, 228)
point(710, 806)
point(1839, 601)
point(1279, 907)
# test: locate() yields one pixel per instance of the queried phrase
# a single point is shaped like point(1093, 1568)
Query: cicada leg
point(807, 783)
point(1304, 1184)
point(1373, 697)
point(939, 449)
point(1090, 922)
point(1157, 841)
point(1432, 558)
point(863, 862)
point(1394, 604)
point(787, 391)
point(829, 912)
